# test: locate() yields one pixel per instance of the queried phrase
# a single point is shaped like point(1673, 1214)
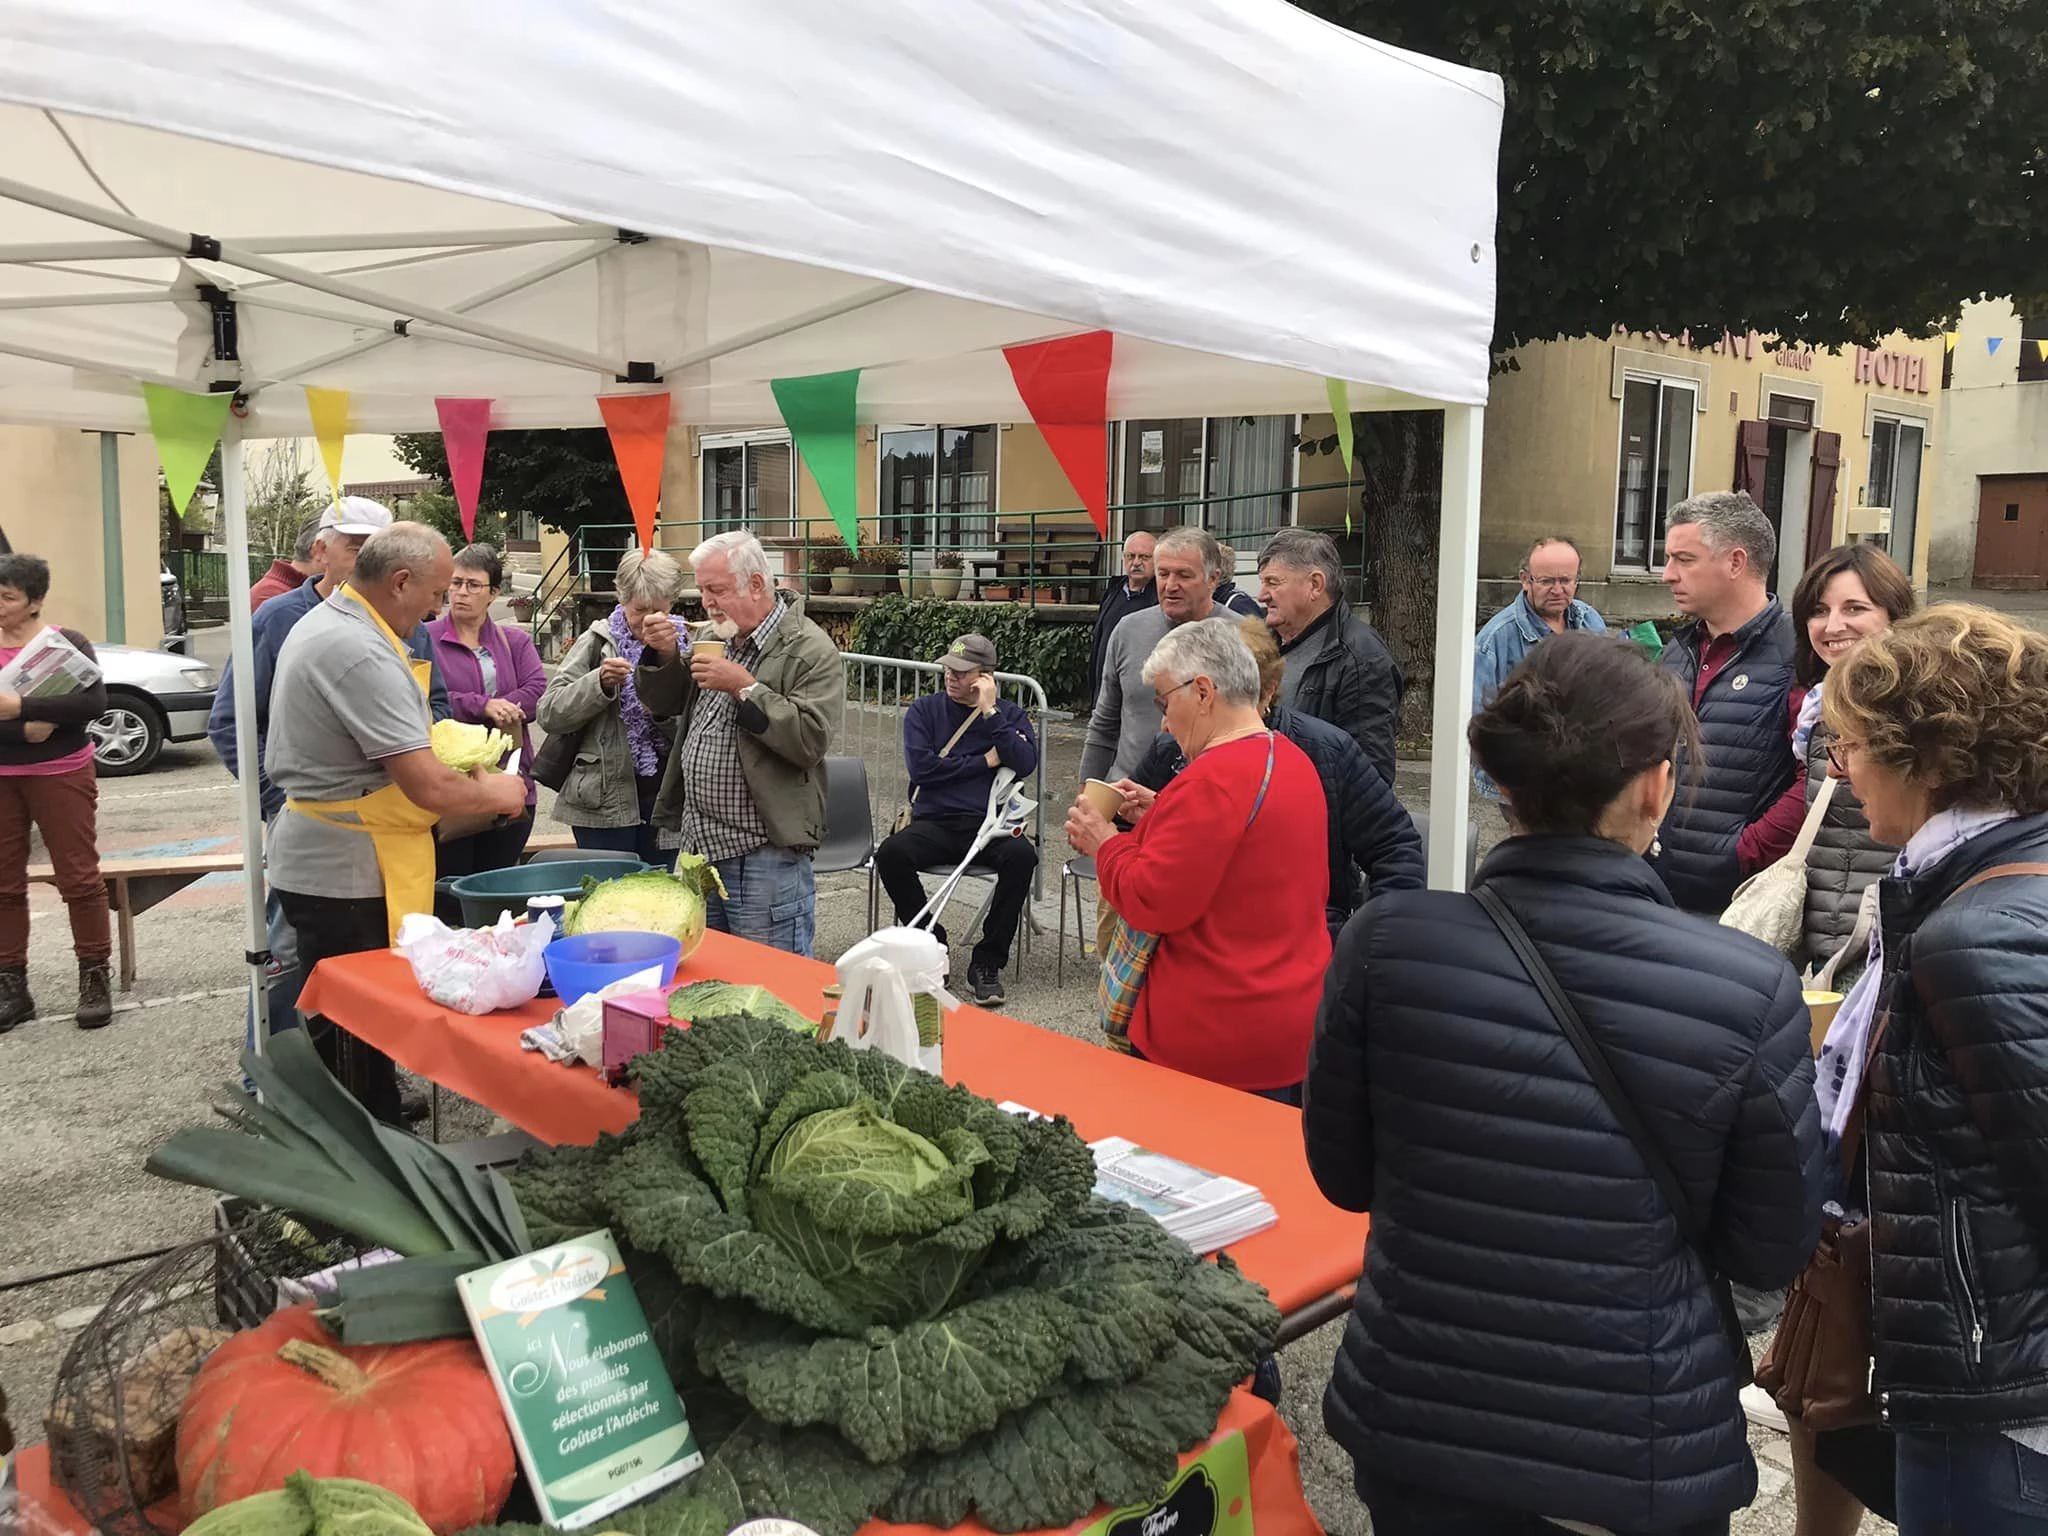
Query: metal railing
point(879, 689)
point(1047, 557)
point(203, 579)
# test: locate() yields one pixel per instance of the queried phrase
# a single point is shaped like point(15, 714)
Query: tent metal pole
point(234, 506)
point(90, 365)
point(489, 296)
point(422, 331)
point(810, 317)
point(1457, 612)
point(83, 300)
point(186, 243)
point(287, 245)
point(116, 626)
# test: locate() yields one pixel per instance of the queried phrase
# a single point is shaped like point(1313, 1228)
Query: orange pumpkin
point(419, 1419)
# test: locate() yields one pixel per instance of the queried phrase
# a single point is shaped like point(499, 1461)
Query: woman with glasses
point(1227, 869)
point(1538, 1335)
point(494, 678)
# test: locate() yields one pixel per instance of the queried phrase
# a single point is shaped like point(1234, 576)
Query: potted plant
point(878, 560)
point(997, 592)
point(945, 577)
point(1045, 594)
point(830, 566)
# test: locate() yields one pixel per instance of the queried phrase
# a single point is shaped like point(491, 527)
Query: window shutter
point(1820, 511)
point(1752, 458)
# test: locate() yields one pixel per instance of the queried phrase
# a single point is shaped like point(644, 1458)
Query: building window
point(1656, 466)
point(750, 485)
point(938, 487)
point(1896, 446)
point(1229, 474)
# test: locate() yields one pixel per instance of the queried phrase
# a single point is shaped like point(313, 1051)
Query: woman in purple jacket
point(494, 678)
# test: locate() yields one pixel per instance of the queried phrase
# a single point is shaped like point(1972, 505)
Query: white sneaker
point(1761, 1410)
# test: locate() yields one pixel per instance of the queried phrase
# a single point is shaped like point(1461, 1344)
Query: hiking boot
point(95, 995)
point(16, 1006)
point(984, 982)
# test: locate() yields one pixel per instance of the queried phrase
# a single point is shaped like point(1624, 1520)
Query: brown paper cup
point(1821, 1008)
point(1104, 797)
point(711, 648)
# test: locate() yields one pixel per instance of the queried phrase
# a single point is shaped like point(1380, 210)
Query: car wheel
point(128, 738)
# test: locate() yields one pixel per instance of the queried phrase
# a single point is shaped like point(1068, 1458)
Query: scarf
point(1809, 717)
point(1839, 1072)
point(641, 737)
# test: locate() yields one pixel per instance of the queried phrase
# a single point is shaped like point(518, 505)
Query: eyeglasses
point(1161, 698)
point(1552, 583)
point(469, 586)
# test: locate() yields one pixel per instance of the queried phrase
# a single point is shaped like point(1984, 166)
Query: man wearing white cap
point(344, 528)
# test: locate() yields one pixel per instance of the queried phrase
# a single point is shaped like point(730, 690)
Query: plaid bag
point(1128, 953)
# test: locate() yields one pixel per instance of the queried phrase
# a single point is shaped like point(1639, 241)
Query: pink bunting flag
point(465, 424)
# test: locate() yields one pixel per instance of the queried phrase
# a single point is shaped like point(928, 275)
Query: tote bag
point(1771, 904)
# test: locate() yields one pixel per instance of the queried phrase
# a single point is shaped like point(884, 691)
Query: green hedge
point(921, 629)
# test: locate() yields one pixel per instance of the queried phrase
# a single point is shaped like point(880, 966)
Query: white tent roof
point(1249, 198)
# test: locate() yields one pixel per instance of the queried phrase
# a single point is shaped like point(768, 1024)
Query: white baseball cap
point(356, 515)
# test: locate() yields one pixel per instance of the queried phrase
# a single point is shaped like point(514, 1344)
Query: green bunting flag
point(1340, 410)
point(818, 409)
point(186, 426)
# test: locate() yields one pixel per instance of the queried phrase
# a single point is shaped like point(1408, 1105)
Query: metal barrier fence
point(879, 689)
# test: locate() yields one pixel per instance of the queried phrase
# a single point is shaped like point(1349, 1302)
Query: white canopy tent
point(544, 202)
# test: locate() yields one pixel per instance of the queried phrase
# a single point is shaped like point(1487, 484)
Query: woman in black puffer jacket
point(1534, 1336)
point(1850, 592)
point(1941, 724)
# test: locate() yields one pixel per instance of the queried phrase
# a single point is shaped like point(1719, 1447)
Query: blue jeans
point(771, 897)
point(283, 975)
point(1978, 1484)
point(642, 841)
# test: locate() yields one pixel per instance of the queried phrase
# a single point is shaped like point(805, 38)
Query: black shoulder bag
point(1690, 1229)
point(555, 759)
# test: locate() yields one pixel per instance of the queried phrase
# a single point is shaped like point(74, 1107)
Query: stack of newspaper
point(48, 667)
point(1204, 1210)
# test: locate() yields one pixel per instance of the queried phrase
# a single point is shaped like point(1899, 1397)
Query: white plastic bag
point(476, 970)
point(882, 976)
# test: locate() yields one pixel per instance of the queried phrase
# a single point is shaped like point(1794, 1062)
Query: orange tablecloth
point(1312, 1251)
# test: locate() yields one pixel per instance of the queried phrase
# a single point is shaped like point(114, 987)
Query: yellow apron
point(400, 833)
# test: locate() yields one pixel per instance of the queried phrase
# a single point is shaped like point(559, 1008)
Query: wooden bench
point(136, 885)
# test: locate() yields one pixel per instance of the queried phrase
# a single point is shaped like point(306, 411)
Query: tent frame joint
point(638, 372)
point(203, 247)
point(631, 237)
point(226, 327)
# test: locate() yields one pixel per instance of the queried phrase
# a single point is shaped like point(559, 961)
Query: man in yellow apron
point(353, 851)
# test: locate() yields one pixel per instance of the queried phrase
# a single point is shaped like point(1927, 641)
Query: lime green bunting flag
point(186, 426)
point(1340, 409)
point(818, 409)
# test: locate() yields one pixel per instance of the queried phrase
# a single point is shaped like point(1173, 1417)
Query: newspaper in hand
point(48, 667)
point(1204, 1210)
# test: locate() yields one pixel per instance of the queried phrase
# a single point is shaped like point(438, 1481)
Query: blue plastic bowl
point(581, 964)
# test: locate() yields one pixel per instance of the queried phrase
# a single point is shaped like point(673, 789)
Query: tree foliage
point(437, 509)
point(1826, 170)
point(567, 478)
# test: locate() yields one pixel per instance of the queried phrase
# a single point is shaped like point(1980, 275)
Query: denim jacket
point(1504, 641)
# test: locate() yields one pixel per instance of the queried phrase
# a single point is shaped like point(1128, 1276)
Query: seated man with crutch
point(954, 744)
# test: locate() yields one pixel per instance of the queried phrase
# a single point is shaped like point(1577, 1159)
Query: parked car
point(177, 634)
point(152, 697)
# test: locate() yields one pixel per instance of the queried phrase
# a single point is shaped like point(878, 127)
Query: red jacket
point(1233, 988)
point(282, 576)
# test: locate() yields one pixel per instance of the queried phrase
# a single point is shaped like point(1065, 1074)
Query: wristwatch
point(749, 689)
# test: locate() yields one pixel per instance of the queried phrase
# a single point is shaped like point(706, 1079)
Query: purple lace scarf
point(641, 737)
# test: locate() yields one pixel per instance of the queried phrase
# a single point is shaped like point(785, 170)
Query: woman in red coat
point(1226, 868)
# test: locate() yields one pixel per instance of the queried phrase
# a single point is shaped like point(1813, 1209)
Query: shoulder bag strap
point(1618, 1103)
point(1258, 803)
point(1815, 815)
point(951, 742)
point(2001, 872)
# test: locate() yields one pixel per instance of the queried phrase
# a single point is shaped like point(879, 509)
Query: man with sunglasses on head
point(1549, 605)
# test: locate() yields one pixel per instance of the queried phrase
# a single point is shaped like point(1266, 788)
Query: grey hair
point(401, 547)
point(1200, 540)
point(309, 536)
point(1140, 533)
point(1304, 549)
point(1730, 520)
point(648, 576)
point(1211, 648)
point(743, 553)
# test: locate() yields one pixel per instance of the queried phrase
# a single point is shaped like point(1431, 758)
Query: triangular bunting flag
point(186, 426)
point(1340, 412)
point(1949, 340)
point(1991, 344)
point(465, 424)
point(639, 428)
point(819, 411)
point(329, 410)
point(1064, 384)
point(2041, 351)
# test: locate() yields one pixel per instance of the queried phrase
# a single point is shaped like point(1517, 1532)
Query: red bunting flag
point(1065, 386)
point(639, 428)
point(465, 424)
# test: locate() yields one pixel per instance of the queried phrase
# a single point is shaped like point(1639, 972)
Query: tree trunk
point(1401, 457)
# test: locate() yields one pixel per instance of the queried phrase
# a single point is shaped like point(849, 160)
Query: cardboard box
point(633, 1024)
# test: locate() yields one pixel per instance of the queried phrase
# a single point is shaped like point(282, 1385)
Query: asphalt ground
point(79, 1111)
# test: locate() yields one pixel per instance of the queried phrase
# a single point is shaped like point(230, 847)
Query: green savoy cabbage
point(883, 1295)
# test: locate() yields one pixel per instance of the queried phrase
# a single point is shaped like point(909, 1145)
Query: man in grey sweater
point(1187, 563)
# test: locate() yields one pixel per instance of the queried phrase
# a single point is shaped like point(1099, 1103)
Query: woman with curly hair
point(1941, 724)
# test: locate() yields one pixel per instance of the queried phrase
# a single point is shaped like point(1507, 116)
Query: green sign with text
point(593, 1412)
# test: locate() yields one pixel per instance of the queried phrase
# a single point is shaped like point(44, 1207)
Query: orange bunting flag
point(1065, 386)
point(639, 428)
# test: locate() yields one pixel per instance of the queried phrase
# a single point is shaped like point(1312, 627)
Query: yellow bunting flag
point(2041, 351)
point(329, 410)
point(1949, 340)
